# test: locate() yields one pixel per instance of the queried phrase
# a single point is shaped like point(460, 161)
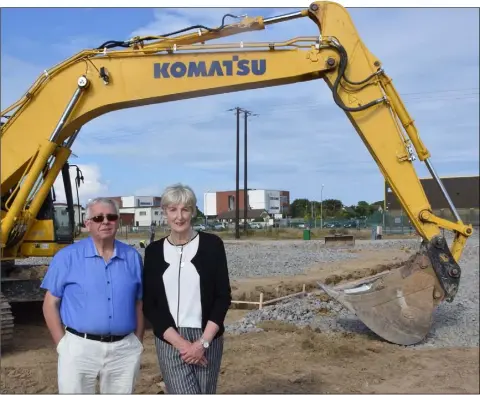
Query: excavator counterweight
point(41, 127)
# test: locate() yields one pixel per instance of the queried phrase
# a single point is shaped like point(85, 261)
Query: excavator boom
point(37, 139)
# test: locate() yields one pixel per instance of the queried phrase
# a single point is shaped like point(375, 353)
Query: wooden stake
point(282, 298)
point(261, 303)
point(243, 302)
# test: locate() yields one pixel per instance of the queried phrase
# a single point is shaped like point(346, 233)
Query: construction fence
point(393, 222)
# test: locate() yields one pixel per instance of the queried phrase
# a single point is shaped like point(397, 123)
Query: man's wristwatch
point(204, 343)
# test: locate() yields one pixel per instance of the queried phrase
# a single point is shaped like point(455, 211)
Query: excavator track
point(7, 325)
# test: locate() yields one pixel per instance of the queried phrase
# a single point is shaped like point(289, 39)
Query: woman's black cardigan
point(215, 291)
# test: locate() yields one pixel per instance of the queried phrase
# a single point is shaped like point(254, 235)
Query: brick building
point(274, 202)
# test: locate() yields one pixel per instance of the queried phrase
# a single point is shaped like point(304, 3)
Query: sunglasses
point(100, 218)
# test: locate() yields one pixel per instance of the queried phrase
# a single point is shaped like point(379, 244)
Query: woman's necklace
point(179, 247)
point(190, 238)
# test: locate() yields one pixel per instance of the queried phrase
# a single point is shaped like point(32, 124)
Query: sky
point(299, 139)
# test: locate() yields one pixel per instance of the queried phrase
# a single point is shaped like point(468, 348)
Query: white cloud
point(93, 185)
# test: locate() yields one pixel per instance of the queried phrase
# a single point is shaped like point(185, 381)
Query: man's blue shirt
point(96, 297)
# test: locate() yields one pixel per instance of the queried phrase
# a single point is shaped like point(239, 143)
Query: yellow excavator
point(37, 139)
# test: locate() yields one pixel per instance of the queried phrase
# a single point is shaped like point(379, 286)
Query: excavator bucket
point(397, 305)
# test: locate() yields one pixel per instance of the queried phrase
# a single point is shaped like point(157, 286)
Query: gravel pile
point(279, 258)
point(455, 324)
point(301, 311)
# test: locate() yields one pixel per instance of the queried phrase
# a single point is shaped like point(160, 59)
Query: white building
point(140, 201)
point(134, 211)
point(141, 210)
point(261, 199)
point(210, 204)
point(142, 216)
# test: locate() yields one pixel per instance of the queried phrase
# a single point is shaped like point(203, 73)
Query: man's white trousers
point(81, 361)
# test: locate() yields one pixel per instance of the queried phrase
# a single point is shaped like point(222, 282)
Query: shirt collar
point(91, 250)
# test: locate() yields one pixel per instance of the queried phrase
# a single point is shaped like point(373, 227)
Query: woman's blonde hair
point(180, 194)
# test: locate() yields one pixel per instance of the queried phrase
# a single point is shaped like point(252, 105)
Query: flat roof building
point(274, 202)
point(463, 191)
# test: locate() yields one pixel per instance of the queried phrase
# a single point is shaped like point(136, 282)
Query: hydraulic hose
point(341, 74)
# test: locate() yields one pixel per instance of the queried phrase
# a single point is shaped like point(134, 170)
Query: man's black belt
point(100, 338)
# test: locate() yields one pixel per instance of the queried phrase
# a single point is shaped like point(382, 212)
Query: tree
point(363, 209)
point(302, 208)
point(374, 206)
point(299, 208)
point(199, 213)
point(350, 212)
point(332, 208)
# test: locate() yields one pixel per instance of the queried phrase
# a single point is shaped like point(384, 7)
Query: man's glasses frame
point(100, 218)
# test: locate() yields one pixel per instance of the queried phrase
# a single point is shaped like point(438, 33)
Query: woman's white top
point(182, 284)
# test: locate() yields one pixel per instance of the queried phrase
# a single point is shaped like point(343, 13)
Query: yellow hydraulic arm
point(37, 138)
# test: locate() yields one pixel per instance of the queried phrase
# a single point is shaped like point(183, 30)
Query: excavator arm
point(37, 138)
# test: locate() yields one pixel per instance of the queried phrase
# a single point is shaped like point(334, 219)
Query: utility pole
point(321, 207)
point(237, 180)
point(205, 201)
point(245, 188)
point(312, 220)
point(245, 172)
point(237, 173)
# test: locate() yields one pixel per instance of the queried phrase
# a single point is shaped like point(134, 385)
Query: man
point(93, 307)
point(152, 232)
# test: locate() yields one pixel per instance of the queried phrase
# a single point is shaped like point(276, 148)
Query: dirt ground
point(283, 358)
point(367, 264)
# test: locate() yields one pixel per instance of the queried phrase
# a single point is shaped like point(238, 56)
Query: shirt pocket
point(76, 295)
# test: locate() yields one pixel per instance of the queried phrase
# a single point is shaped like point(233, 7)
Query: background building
point(135, 211)
point(464, 192)
point(274, 202)
point(139, 210)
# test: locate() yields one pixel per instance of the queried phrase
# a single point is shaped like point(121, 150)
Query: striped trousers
point(184, 378)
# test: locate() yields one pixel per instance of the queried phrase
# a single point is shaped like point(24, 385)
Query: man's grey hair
point(180, 194)
point(101, 200)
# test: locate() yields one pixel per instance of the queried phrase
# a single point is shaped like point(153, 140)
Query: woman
point(186, 297)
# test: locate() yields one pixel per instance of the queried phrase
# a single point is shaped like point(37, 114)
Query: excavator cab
point(53, 228)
